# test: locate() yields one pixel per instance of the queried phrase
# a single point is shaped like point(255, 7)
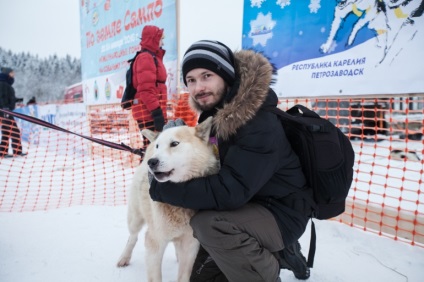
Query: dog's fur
point(177, 154)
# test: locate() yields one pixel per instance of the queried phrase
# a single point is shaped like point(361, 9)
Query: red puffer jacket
point(149, 79)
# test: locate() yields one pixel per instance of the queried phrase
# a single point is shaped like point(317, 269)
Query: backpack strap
point(291, 114)
point(300, 110)
point(312, 245)
point(151, 53)
point(154, 58)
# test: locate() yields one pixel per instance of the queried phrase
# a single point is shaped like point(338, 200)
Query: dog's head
point(181, 153)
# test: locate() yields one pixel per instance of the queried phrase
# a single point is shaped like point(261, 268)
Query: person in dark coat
point(9, 128)
point(248, 221)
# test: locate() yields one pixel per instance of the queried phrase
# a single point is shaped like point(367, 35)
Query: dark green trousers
point(237, 245)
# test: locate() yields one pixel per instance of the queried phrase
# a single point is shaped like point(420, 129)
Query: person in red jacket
point(149, 77)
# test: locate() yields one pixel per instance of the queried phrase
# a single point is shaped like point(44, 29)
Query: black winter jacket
point(7, 93)
point(257, 161)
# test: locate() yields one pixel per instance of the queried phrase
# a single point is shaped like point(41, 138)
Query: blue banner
point(30, 132)
point(323, 48)
point(110, 36)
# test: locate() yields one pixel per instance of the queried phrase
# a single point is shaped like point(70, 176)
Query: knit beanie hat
point(211, 55)
point(6, 70)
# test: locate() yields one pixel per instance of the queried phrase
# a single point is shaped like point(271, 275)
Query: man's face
point(161, 41)
point(205, 87)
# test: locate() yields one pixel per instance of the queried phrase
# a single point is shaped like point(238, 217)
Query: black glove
point(158, 119)
point(172, 193)
point(154, 195)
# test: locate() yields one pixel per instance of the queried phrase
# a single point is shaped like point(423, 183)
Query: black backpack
point(129, 92)
point(327, 159)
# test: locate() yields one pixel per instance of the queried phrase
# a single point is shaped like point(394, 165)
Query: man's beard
point(206, 107)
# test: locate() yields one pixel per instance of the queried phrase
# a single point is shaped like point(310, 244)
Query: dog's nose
point(153, 163)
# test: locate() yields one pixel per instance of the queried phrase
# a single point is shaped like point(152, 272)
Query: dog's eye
point(174, 143)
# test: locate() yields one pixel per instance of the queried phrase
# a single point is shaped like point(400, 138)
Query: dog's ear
point(203, 129)
point(151, 135)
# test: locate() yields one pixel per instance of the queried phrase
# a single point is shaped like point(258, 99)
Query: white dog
point(177, 154)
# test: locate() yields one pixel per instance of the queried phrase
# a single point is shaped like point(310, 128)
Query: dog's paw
point(123, 262)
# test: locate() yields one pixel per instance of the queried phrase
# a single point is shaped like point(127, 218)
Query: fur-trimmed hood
point(248, 94)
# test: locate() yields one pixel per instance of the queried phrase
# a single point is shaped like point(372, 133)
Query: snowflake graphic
point(256, 3)
point(283, 3)
point(261, 29)
point(314, 6)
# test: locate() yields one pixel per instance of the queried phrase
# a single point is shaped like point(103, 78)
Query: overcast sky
point(43, 27)
point(47, 27)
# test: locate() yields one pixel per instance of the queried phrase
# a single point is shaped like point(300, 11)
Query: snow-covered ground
point(83, 243)
point(77, 230)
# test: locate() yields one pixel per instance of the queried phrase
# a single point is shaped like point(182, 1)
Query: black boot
point(205, 269)
point(291, 258)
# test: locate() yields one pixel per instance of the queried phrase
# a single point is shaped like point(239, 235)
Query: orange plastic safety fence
point(64, 170)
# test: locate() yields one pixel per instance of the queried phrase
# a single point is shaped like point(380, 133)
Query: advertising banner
point(336, 48)
point(71, 117)
point(30, 132)
point(110, 36)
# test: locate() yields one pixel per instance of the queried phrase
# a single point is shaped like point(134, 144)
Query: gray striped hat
point(211, 55)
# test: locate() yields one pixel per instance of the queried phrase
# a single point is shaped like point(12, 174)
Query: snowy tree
point(44, 79)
